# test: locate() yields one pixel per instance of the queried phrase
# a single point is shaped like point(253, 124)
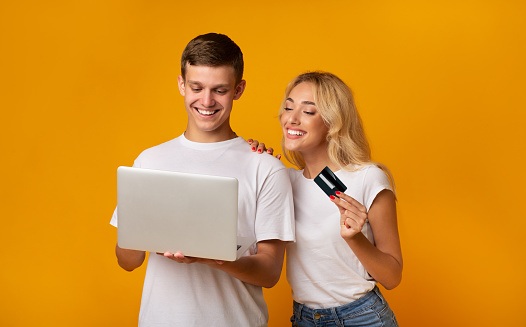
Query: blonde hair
point(347, 144)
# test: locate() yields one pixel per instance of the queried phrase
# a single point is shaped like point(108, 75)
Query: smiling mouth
point(206, 112)
point(294, 132)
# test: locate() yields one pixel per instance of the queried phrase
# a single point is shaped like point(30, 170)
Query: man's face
point(209, 93)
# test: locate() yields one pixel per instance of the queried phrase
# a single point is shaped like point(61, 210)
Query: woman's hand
point(383, 259)
point(353, 215)
point(260, 148)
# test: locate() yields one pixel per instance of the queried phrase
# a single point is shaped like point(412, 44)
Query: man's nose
point(208, 99)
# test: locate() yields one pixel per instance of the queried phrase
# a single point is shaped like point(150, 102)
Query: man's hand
point(179, 257)
point(261, 269)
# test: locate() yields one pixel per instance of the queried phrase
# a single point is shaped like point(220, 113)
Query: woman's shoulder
point(360, 169)
point(294, 173)
point(369, 172)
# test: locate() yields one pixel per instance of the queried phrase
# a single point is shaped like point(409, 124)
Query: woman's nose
point(293, 118)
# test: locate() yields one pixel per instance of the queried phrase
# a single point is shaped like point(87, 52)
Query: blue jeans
point(369, 310)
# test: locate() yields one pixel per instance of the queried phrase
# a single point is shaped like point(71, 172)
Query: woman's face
point(303, 127)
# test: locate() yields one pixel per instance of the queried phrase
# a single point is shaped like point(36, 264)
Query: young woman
point(344, 248)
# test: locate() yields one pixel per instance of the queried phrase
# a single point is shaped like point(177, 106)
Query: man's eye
point(221, 92)
point(196, 90)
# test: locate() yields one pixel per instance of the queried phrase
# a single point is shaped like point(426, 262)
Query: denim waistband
point(336, 313)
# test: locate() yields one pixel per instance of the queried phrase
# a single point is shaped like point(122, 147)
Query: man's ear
point(180, 84)
point(240, 88)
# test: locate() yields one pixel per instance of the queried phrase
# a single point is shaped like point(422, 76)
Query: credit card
point(329, 182)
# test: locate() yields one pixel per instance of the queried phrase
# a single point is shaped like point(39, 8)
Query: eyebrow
point(215, 86)
point(303, 102)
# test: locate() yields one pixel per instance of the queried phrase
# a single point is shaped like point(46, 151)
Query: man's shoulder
point(151, 157)
point(262, 161)
point(271, 161)
point(161, 148)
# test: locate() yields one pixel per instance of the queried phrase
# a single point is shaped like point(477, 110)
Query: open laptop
point(161, 211)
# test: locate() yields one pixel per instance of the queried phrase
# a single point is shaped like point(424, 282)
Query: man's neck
point(209, 137)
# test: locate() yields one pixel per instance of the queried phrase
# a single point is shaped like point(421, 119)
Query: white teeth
point(292, 132)
point(206, 112)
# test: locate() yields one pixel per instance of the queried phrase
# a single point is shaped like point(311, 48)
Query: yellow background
point(87, 85)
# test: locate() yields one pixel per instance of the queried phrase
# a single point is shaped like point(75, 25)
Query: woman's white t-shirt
point(321, 268)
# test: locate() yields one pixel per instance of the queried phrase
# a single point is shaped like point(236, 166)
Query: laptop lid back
point(162, 211)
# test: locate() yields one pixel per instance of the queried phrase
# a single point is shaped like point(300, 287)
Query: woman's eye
point(309, 112)
point(287, 109)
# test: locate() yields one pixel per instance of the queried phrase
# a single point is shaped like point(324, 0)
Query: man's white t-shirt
point(321, 268)
point(177, 294)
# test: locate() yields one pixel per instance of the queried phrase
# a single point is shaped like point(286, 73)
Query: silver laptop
point(161, 211)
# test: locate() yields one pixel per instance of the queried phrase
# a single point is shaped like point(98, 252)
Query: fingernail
point(259, 150)
point(253, 148)
point(332, 197)
point(279, 156)
point(249, 141)
point(337, 192)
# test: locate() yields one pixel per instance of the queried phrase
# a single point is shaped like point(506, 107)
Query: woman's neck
point(314, 164)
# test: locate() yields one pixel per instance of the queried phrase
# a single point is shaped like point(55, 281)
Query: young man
point(185, 291)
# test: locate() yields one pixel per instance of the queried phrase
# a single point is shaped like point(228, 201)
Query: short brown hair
point(213, 50)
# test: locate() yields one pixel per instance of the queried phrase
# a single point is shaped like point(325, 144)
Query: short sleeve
point(375, 180)
point(275, 208)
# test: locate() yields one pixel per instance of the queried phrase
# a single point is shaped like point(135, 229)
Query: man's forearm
point(262, 269)
point(129, 259)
